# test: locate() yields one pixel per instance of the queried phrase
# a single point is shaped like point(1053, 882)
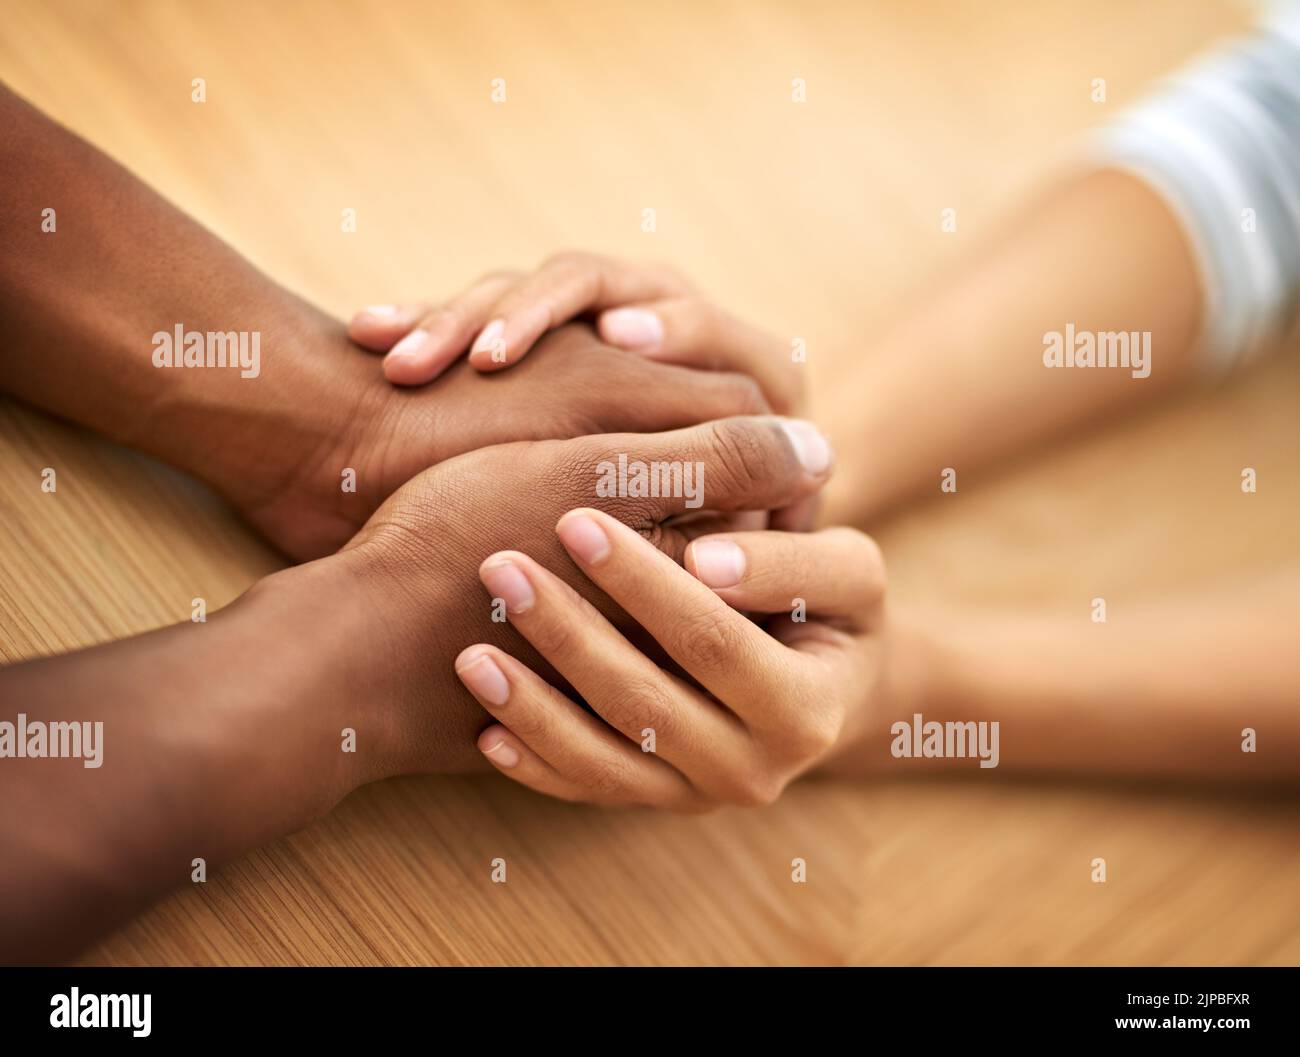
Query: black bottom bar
point(1224, 1007)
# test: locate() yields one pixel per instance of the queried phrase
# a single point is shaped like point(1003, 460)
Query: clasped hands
point(628, 649)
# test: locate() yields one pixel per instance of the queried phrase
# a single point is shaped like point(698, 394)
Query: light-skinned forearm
point(958, 381)
point(1165, 691)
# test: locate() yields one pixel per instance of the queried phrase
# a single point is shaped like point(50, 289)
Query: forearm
point(1207, 267)
point(1158, 692)
point(960, 380)
point(215, 737)
point(84, 292)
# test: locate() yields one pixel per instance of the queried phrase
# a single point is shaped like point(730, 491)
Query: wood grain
point(811, 218)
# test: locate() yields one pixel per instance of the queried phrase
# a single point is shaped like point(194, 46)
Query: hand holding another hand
point(768, 702)
point(411, 572)
point(337, 413)
point(648, 309)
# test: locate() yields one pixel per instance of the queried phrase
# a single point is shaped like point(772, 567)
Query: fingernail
point(718, 563)
point(409, 347)
point(583, 538)
point(632, 328)
point(813, 449)
point(489, 339)
point(379, 311)
point(501, 752)
point(507, 581)
point(486, 679)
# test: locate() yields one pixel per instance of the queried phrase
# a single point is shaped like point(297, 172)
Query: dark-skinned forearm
point(79, 306)
point(215, 737)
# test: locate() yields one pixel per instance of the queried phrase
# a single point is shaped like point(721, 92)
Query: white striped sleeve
point(1221, 143)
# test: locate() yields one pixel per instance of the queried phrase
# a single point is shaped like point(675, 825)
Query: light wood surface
point(812, 218)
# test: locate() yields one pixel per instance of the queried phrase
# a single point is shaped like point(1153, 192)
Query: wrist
point(913, 669)
point(282, 420)
point(277, 445)
point(949, 667)
point(392, 616)
point(311, 658)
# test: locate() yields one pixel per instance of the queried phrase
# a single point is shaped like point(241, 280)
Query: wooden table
point(812, 217)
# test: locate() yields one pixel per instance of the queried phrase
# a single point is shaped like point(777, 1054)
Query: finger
point(731, 657)
point(666, 396)
point(695, 332)
point(799, 517)
point(379, 327)
point(516, 760)
point(580, 749)
point(835, 572)
point(628, 690)
point(673, 536)
point(709, 523)
point(735, 464)
point(564, 287)
point(442, 335)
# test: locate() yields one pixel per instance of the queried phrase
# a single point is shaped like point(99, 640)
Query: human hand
point(413, 566)
point(336, 414)
point(644, 308)
point(770, 703)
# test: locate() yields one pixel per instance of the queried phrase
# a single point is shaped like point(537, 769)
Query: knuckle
point(577, 470)
point(790, 565)
point(556, 636)
point(640, 702)
point(606, 777)
point(706, 643)
point(758, 790)
point(741, 453)
point(810, 734)
point(591, 268)
point(556, 302)
point(576, 272)
point(552, 307)
point(585, 462)
point(746, 781)
point(745, 395)
point(451, 316)
point(530, 725)
point(696, 324)
point(709, 317)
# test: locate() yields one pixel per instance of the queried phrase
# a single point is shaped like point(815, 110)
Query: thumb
point(732, 464)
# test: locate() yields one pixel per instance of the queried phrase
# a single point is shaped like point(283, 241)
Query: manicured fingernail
point(501, 752)
point(507, 581)
point(486, 679)
point(409, 347)
point(583, 538)
point(813, 449)
point(489, 340)
point(379, 311)
point(632, 328)
point(718, 563)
